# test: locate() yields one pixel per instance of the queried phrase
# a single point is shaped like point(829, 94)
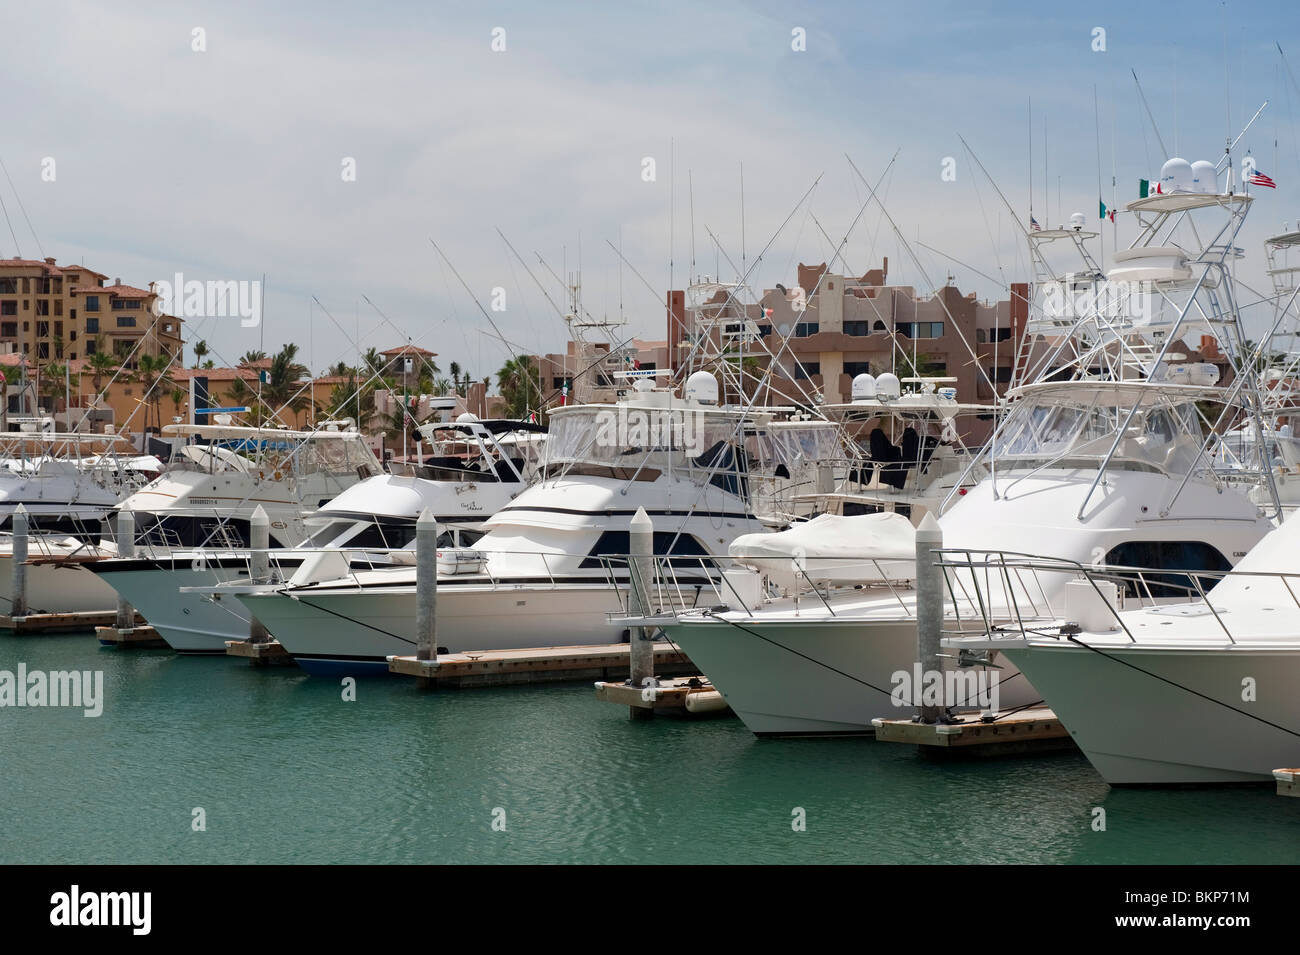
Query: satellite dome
point(1205, 178)
point(1077, 221)
point(466, 416)
point(863, 387)
point(1176, 176)
point(887, 386)
point(642, 385)
point(702, 387)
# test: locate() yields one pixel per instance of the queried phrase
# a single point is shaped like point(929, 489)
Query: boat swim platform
point(133, 638)
point(484, 668)
point(1288, 782)
point(261, 653)
point(692, 696)
point(35, 624)
point(1032, 730)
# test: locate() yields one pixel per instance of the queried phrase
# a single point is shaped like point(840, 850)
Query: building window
point(42, 306)
point(58, 306)
point(91, 346)
point(919, 329)
point(58, 329)
point(8, 286)
point(42, 329)
point(855, 368)
point(8, 308)
point(857, 328)
point(804, 370)
point(125, 321)
point(42, 349)
point(879, 326)
point(92, 303)
point(1000, 334)
point(72, 335)
point(92, 326)
point(1000, 375)
point(8, 329)
point(806, 329)
point(126, 304)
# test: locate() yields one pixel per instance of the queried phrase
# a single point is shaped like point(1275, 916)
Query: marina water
point(284, 770)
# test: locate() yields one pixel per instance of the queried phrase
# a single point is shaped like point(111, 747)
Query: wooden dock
point(34, 624)
point(261, 654)
point(681, 696)
point(1031, 730)
point(135, 638)
point(1288, 782)
point(476, 668)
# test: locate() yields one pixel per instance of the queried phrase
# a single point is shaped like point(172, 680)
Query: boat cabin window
point(1168, 556)
point(386, 533)
point(619, 544)
point(188, 531)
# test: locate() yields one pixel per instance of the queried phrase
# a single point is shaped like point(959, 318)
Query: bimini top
point(1084, 390)
point(218, 432)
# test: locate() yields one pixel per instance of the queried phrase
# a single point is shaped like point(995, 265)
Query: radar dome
point(1205, 178)
point(1077, 221)
point(863, 387)
point(1176, 176)
point(702, 387)
point(466, 416)
point(642, 385)
point(887, 386)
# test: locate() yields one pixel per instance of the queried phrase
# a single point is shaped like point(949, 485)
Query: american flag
point(1033, 224)
point(1257, 178)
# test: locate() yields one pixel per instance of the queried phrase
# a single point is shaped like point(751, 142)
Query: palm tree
point(517, 381)
point(249, 357)
point(52, 381)
point(454, 368)
point(282, 389)
point(101, 363)
point(200, 351)
point(178, 396)
point(209, 364)
point(153, 371)
point(372, 362)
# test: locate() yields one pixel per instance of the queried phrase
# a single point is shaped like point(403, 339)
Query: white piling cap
point(21, 509)
point(641, 521)
point(929, 530)
point(259, 517)
point(426, 519)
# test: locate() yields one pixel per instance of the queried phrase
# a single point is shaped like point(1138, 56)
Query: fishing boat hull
point(815, 677)
point(1167, 716)
point(357, 630)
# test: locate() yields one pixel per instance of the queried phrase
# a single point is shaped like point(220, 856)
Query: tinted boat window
point(1168, 556)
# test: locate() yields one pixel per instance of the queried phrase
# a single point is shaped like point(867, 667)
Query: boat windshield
point(1165, 436)
point(631, 438)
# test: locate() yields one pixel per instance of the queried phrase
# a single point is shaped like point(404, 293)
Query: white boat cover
point(833, 549)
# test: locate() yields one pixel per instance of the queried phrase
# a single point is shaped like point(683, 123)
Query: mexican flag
point(1105, 213)
point(1144, 189)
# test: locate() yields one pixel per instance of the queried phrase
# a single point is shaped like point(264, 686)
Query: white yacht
point(68, 485)
point(1101, 461)
point(476, 468)
point(1202, 691)
point(540, 576)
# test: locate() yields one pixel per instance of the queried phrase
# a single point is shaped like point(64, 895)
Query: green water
point(286, 771)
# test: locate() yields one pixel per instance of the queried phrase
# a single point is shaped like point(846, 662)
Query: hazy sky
point(227, 163)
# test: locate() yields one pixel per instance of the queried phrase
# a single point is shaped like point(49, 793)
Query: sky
point(602, 126)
